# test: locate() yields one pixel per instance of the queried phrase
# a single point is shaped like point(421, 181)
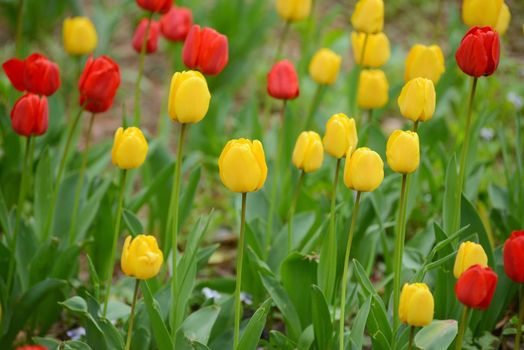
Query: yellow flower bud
point(79, 35)
point(129, 148)
point(308, 154)
point(293, 10)
point(341, 135)
point(377, 49)
point(141, 257)
point(188, 97)
point(364, 170)
point(242, 165)
point(425, 62)
point(324, 67)
point(503, 20)
point(416, 307)
point(469, 254)
point(402, 151)
point(368, 16)
point(417, 99)
point(481, 12)
point(373, 89)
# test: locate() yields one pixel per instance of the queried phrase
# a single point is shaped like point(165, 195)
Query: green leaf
point(357, 331)
point(133, 223)
point(160, 331)
point(450, 193)
point(306, 338)
point(438, 335)
point(251, 334)
point(75, 345)
point(322, 324)
point(43, 191)
point(76, 304)
point(90, 208)
point(197, 326)
point(327, 267)
point(186, 201)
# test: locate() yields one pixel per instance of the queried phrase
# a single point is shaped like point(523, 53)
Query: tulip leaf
point(133, 223)
point(90, 208)
point(278, 340)
point(197, 326)
point(359, 324)
point(43, 191)
point(306, 339)
point(160, 331)
point(436, 336)
point(322, 324)
point(252, 332)
point(158, 183)
point(450, 192)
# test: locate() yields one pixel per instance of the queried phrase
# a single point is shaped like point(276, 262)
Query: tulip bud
point(469, 254)
point(324, 67)
point(35, 74)
point(479, 52)
point(416, 305)
point(175, 24)
point(129, 148)
point(341, 135)
point(373, 89)
point(293, 10)
point(417, 99)
point(368, 16)
point(32, 347)
point(242, 165)
point(282, 81)
point(476, 286)
point(98, 84)
point(425, 62)
point(377, 49)
point(206, 50)
point(30, 115)
point(79, 36)
point(503, 20)
point(514, 257)
point(481, 12)
point(308, 154)
point(188, 97)
point(141, 257)
point(402, 151)
point(152, 37)
point(160, 6)
point(364, 170)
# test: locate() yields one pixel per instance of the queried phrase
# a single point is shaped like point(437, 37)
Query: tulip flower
point(32, 347)
point(152, 37)
point(129, 148)
point(308, 153)
point(341, 136)
point(416, 305)
point(373, 89)
point(514, 256)
point(481, 12)
point(282, 81)
point(503, 21)
point(364, 170)
point(141, 257)
point(403, 151)
point(469, 254)
point(479, 52)
point(377, 50)
point(79, 36)
point(417, 99)
point(189, 97)
point(293, 10)
point(324, 67)
point(30, 115)
point(98, 84)
point(176, 23)
point(425, 62)
point(35, 74)
point(205, 49)
point(160, 6)
point(476, 286)
point(368, 16)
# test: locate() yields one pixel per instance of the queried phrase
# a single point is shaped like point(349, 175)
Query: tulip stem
point(361, 67)
point(132, 316)
point(518, 335)
point(240, 260)
point(19, 29)
point(141, 60)
point(346, 268)
point(116, 234)
point(282, 40)
point(315, 102)
point(411, 335)
point(331, 241)
point(462, 328)
point(292, 212)
point(415, 126)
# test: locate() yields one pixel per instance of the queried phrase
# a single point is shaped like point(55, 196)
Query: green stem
point(240, 260)
point(361, 67)
point(415, 126)
point(411, 335)
point(331, 239)
point(292, 212)
point(19, 29)
point(136, 121)
point(315, 102)
point(518, 335)
point(462, 328)
point(282, 40)
point(132, 316)
point(346, 270)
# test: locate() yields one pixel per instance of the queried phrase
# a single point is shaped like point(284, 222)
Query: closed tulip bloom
point(514, 257)
point(476, 286)
point(79, 36)
point(373, 89)
point(160, 6)
point(425, 62)
point(417, 99)
point(206, 50)
point(32, 347)
point(141, 257)
point(175, 24)
point(503, 20)
point(129, 148)
point(98, 84)
point(293, 10)
point(341, 135)
point(35, 74)
point(282, 81)
point(403, 151)
point(479, 52)
point(481, 12)
point(188, 97)
point(364, 170)
point(377, 49)
point(469, 254)
point(308, 154)
point(30, 115)
point(368, 16)
point(324, 67)
point(152, 38)
point(416, 305)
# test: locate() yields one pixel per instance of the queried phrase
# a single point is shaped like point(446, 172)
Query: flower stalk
point(240, 261)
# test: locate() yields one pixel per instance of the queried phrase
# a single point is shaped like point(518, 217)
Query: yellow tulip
point(129, 148)
point(293, 10)
point(417, 99)
point(141, 257)
point(469, 254)
point(373, 89)
point(481, 12)
point(368, 16)
point(364, 170)
point(402, 151)
point(188, 97)
point(308, 154)
point(416, 305)
point(79, 35)
point(503, 20)
point(341, 135)
point(425, 62)
point(377, 49)
point(324, 67)
point(242, 165)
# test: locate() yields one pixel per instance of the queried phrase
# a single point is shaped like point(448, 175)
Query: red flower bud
point(35, 74)
point(206, 50)
point(161, 6)
point(98, 84)
point(30, 115)
point(32, 347)
point(476, 286)
point(176, 23)
point(152, 38)
point(282, 81)
point(479, 52)
point(514, 257)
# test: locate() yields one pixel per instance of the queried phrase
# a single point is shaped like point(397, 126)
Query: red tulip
point(161, 6)
point(98, 84)
point(476, 286)
point(514, 257)
point(35, 74)
point(479, 52)
point(32, 347)
point(282, 81)
point(152, 38)
point(206, 50)
point(176, 23)
point(30, 115)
